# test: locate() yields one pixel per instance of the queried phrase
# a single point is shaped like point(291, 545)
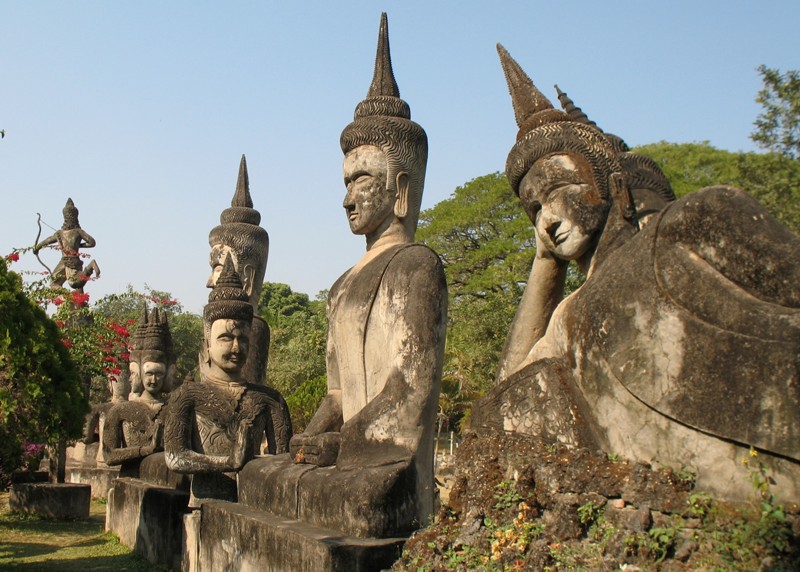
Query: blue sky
point(140, 111)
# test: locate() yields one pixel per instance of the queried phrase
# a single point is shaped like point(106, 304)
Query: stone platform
point(100, 479)
point(149, 519)
point(236, 537)
point(50, 500)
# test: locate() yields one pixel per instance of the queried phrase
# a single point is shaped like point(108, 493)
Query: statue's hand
point(321, 450)
point(239, 454)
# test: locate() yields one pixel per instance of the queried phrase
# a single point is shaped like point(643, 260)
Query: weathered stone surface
point(371, 502)
point(236, 537)
point(681, 347)
point(148, 519)
point(387, 319)
point(51, 500)
point(101, 479)
point(214, 426)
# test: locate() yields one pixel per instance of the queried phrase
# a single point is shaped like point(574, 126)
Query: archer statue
point(70, 238)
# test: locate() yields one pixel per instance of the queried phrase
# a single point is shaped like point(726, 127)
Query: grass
point(35, 544)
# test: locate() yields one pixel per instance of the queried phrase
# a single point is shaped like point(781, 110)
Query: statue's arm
point(178, 452)
point(87, 240)
point(543, 293)
point(52, 239)
point(114, 450)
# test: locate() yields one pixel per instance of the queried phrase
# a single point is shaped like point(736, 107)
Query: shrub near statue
point(681, 347)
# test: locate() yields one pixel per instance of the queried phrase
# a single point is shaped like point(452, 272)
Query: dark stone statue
point(216, 425)
point(681, 347)
point(133, 429)
point(240, 237)
point(70, 239)
point(364, 464)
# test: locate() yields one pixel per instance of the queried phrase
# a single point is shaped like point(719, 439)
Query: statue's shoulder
point(416, 257)
point(263, 392)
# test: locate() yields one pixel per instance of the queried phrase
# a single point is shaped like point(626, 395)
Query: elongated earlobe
point(401, 204)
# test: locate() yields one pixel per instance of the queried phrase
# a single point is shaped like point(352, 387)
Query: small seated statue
point(71, 238)
point(681, 346)
point(215, 425)
point(88, 451)
point(364, 464)
point(133, 429)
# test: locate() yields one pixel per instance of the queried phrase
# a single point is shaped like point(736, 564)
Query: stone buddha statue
point(133, 430)
point(240, 237)
point(681, 346)
point(70, 239)
point(364, 464)
point(214, 426)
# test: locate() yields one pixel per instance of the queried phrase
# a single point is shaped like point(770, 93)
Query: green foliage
point(278, 302)
point(506, 495)
point(305, 400)
point(773, 179)
point(299, 331)
point(487, 245)
point(41, 398)
point(778, 125)
point(589, 512)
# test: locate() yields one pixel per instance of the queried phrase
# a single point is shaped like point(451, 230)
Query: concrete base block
point(148, 519)
point(61, 501)
point(237, 537)
point(99, 478)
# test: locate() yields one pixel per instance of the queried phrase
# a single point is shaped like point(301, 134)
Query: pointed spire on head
point(383, 82)
point(70, 212)
point(574, 112)
point(241, 209)
point(241, 197)
point(383, 97)
point(531, 107)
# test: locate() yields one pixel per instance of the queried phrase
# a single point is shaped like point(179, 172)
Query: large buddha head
point(565, 172)
point(240, 238)
point(385, 154)
point(227, 320)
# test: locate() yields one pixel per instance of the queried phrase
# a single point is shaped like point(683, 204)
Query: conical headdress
point(641, 172)
point(152, 340)
point(239, 224)
point(544, 130)
point(70, 212)
point(383, 119)
point(227, 299)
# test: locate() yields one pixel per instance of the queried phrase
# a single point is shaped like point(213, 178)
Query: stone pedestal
point(100, 479)
point(237, 537)
point(148, 519)
point(60, 501)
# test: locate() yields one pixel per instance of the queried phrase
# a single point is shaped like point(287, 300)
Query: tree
point(299, 330)
point(778, 125)
point(487, 245)
point(41, 398)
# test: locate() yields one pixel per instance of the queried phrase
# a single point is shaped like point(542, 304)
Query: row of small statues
point(681, 347)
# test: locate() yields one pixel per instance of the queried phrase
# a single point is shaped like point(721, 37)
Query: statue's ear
point(401, 204)
point(621, 195)
point(248, 274)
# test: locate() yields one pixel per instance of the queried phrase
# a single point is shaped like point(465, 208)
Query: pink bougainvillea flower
point(13, 257)
point(66, 342)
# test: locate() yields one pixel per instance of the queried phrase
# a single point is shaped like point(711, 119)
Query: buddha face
point(560, 197)
point(369, 204)
point(228, 344)
point(153, 376)
point(217, 257)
